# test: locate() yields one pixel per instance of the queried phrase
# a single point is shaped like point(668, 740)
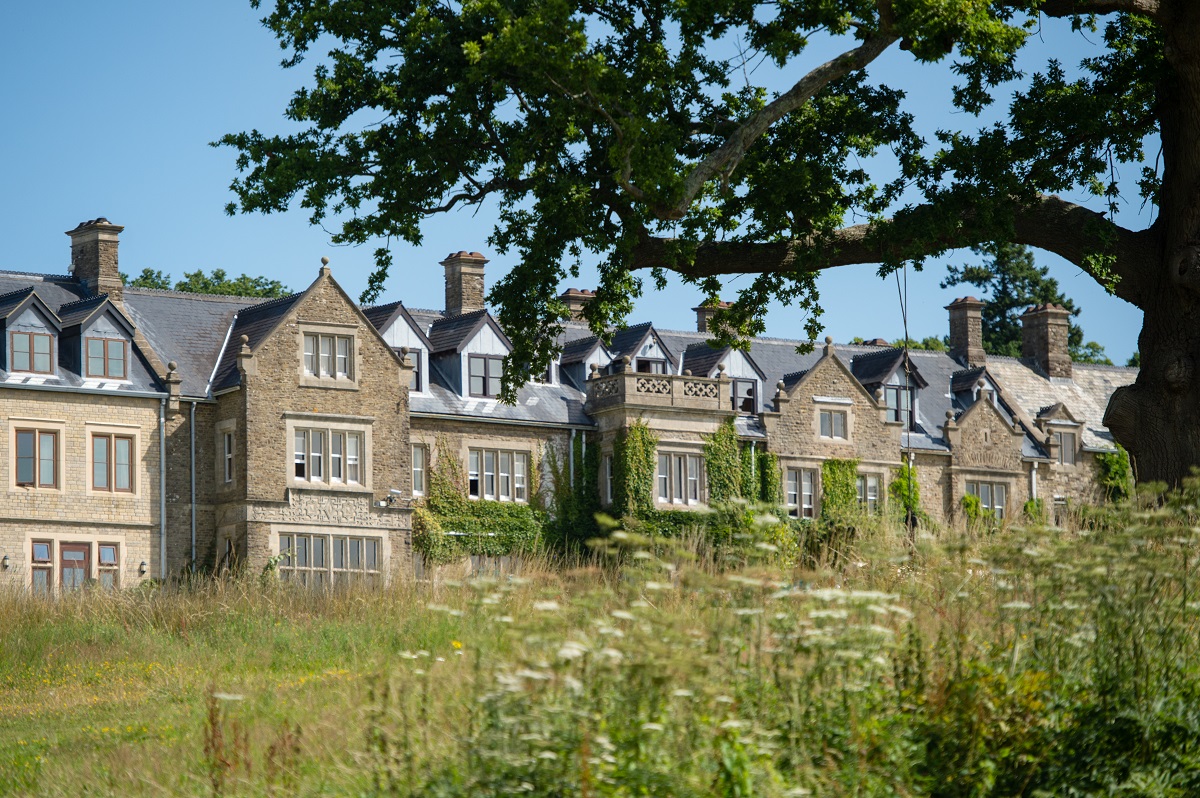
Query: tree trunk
point(1157, 419)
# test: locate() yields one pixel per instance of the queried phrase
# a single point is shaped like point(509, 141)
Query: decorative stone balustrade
point(658, 390)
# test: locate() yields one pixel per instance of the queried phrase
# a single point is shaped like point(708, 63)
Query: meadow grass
point(1012, 662)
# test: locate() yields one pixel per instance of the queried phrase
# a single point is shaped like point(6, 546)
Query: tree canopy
point(630, 134)
point(1013, 282)
point(198, 282)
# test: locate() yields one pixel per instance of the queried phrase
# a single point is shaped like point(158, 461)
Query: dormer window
point(32, 352)
point(415, 383)
point(651, 366)
point(899, 401)
point(106, 357)
point(744, 394)
point(1066, 447)
point(484, 372)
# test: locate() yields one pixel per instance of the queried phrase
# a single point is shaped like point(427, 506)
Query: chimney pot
point(576, 299)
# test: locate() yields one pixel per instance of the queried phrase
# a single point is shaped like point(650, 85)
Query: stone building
point(152, 433)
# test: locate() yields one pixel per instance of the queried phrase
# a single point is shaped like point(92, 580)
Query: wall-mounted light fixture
point(4, 562)
point(142, 569)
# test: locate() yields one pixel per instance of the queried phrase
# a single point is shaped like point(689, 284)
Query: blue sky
point(109, 109)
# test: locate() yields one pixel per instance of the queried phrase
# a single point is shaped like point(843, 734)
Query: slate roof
point(14, 299)
point(82, 310)
point(189, 329)
point(577, 351)
point(536, 403)
point(873, 368)
point(450, 333)
point(256, 323)
point(1085, 395)
point(701, 358)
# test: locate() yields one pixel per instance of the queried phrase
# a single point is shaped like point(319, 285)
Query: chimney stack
point(94, 257)
point(575, 299)
point(464, 282)
point(1044, 331)
point(966, 331)
point(704, 314)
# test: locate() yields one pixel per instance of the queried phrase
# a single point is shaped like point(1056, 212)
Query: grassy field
point(1019, 662)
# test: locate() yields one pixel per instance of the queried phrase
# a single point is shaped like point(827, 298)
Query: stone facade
point(464, 282)
point(1044, 333)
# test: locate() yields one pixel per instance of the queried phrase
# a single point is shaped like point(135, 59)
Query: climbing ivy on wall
point(770, 479)
point(839, 494)
point(904, 491)
point(574, 503)
point(1116, 475)
point(723, 464)
point(635, 454)
point(749, 476)
point(480, 527)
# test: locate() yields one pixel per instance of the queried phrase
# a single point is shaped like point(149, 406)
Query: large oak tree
point(627, 131)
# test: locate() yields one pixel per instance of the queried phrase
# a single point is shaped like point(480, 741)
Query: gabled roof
point(702, 358)
point(16, 301)
point(629, 340)
point(828, 354)
point(453, 333)
point(967, 379)
point(875, 367)
point(579, 350)
point(256, 323)
point(80, 312)
point(1058, 410)
point(382, 317)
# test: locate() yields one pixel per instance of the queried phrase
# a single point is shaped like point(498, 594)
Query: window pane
point(680, 466)
point(372, 551)
point(336, 443)
point(494, 372)
point(355, 553)
point(41, 552)
point(123, 466)
point(343, 357)
point(985, 495)
point(95, 355)
point(108, 555)
point(664, 477)
point(353, 448)
point(317, 466)
point(108, 580)
point(839, 425)
point(41, 353)
point(41, 581)
point(793, 488)
point(339, 553)
point(25, 459)
point(473, 475)
point(489, 475)
point(326, 355)
point(519, 461)
point(301, 551)
point(310, 354)
point(46, 455)
point(505, 475)
point(20, 349)
point(100, 462)
point(116, 359)
point(318, 551)
point(418, 461)
point(826, 424)
point(301, 444)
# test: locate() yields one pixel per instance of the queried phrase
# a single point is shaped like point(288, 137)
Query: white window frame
point(310, 442)
point(680, 479)
point(328, 355)
point(987, 491)
point(497, 475)
point(800, 492)
point(867, 488)
point(420, 464)
point(361, 558)
point(1067, 455)
point(833, 416)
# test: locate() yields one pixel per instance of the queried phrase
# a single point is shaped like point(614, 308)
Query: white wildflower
point(683, 693)
point(612, 654)
point(624, 615)
point(571, 650)
point(547, 755)
point(657, 586)
point(1016, 605)
point(734, 724)
point(546, 606)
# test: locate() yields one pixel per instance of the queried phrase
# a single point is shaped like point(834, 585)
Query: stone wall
point(73, 511)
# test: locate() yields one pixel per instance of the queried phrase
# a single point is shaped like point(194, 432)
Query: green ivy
point(635, 456)
point(574, 503)
point(1035, 511)
point(905, 492)
point(735, 534)
point(722, 464)
point(971, 506)
point(1116, 474)
point(839, 495)
point(749, 486)
point(448, 525)
point(770, 479)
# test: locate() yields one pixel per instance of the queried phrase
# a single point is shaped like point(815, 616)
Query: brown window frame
point(87, 359)
point(487, 374)
point(111, 462)
point(37, 460)
point(12, 336)
point(63, 548)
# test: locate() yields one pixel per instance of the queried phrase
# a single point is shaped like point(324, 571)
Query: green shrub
point(839, 491)
point(771, 479)
point(971, 506)
point(748, 479)
point(1034, 511)
point(1116, 474)
point(905, 492)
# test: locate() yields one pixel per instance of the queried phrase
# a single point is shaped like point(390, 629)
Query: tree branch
point(725, 159)
point(1050, 223)
point(1067, 8)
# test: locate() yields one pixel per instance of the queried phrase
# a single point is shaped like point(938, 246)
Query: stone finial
point(780, 386)
point(172, 366)
point(625, 361)
point(245, 345)
point(879, 395)
point(687, 372)
point(595, 371)
point(949, 418)
point(828, 344)
point(245, 358)
point(324, 266)
point(174, 387)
